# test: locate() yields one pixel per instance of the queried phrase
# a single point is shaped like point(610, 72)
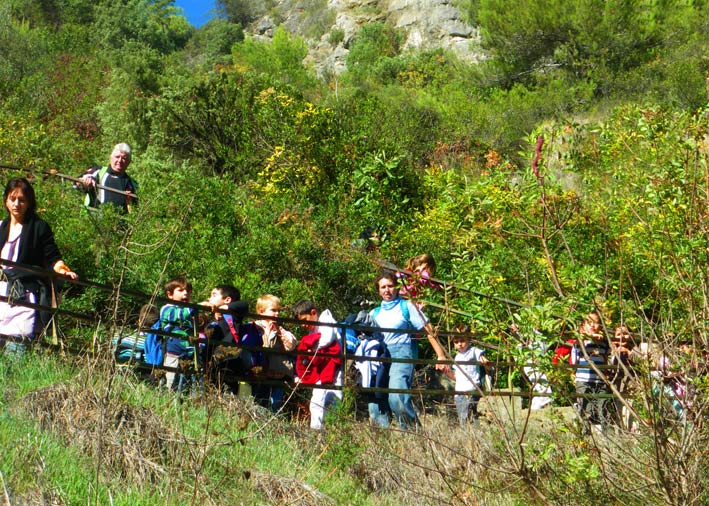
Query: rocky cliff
point(330, 25)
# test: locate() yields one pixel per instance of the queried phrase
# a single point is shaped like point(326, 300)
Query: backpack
point(373, 372)
point(128, 348)
point(245, 333)
point(154, 347)
point(91, 199)
point(351, 338)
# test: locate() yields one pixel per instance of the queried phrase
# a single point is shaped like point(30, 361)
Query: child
point(535, 351)
point(230, 363)
point(180, 322)
point(129, 348)
point(325, 366)
point(622, 346)
point(417, 276)
point(278, 366)
point(591, 348)
point(468, 377)
point(424, 265)
point(561, 375)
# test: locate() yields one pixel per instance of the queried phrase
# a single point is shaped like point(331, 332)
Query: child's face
point(461, 345)
point(271, 310)
point(590, 327)
point(594, 324)
point(309, 317)
point(180, 294)
point(216, 298)
point(621, 335)
point(423, 270)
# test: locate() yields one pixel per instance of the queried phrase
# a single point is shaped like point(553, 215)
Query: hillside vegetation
point(566, 171)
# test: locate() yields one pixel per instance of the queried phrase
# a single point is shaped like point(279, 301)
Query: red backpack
point(322, 366)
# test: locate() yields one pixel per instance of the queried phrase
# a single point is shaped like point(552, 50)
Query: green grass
point(214, 452)
point(36, 464)
point(39, 368)
point(70, 436)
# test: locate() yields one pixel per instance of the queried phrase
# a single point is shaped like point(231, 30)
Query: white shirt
point(468, 377)
point(327, 334)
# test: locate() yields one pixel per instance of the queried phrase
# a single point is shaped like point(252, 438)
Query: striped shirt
point(598, 352)
point(178, 320)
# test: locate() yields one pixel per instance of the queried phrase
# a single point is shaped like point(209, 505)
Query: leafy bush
point(337, 35)
point(281, 59)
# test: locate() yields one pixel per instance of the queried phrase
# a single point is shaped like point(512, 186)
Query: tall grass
point(78, 431)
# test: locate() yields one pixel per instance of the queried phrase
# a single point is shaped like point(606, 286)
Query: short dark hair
point(178, 282)
point(462, 332)
point(303, 307)
point(21, 183)
point(229, 291)
point(386, 275)
point(148, 315)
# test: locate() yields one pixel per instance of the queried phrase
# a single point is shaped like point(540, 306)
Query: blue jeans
point(465, 404)
point(16, 350)
point(400, 377)
point(268, 396)
point(276, 398)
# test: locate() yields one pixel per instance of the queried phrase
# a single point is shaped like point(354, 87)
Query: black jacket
point(37, 246)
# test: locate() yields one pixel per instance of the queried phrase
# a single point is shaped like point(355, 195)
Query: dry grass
point(130, 440)
point(541, 458)
point(282, 490)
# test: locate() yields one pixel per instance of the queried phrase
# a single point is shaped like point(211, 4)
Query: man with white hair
point(112, 185)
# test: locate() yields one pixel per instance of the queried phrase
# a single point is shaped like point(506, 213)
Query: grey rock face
point(424, 24)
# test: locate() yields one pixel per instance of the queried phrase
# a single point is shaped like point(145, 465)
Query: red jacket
point(562, 353)
point(322, 366)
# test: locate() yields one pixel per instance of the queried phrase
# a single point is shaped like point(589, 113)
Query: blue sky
point(197, 12)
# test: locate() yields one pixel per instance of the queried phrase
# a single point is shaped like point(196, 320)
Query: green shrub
point(337, 35)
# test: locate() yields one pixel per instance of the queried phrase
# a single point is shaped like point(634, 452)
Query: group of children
point(198, 344)
point(181, 338)
point(604, 373)
point(273, 357)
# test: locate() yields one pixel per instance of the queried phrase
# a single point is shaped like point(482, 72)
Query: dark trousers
point(592, 410)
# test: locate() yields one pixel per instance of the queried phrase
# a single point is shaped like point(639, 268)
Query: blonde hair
point(266, 301)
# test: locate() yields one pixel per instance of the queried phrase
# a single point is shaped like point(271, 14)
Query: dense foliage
point(254, 166)
point(247, 158)
point(567, 171)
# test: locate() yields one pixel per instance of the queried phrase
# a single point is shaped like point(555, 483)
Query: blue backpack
point(349, 338)
point(154, 348)
point(404, 311)
point(353, 337)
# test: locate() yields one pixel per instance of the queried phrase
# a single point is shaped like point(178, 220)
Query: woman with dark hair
point(25, 239)
point(404, 319)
